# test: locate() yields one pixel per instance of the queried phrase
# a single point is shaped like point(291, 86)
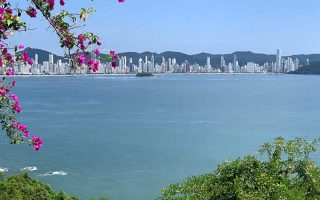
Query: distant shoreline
point(134, 75)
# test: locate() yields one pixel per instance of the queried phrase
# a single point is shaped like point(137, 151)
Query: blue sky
point(194, 26)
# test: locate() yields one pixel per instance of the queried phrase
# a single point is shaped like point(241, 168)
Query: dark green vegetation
point(22, 187)
point(144, 74)
point(243, 57)
point(313, 68)
point(282, 171)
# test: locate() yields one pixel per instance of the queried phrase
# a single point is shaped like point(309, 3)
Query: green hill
point(313, 68)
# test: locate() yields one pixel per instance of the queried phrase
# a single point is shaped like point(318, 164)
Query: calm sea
point(127, 137)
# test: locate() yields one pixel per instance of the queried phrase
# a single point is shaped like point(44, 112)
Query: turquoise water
point(128, 137)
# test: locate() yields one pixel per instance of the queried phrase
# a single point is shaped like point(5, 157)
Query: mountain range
point(242, 56)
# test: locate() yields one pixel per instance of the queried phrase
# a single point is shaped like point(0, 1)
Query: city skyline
point(196, 26)
point(168, 65)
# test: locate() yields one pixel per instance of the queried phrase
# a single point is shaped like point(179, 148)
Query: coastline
point(121, 75)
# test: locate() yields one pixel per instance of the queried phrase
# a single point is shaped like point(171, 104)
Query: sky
point(193, 26)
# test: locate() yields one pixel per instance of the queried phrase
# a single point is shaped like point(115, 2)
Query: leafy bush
point(22, 187)
point(283, 171)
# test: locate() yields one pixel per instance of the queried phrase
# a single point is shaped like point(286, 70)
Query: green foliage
point(283, 171)
point(22, 187)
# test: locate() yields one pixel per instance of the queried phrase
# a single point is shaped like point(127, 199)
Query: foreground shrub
point(22, 187)
point(283, 171)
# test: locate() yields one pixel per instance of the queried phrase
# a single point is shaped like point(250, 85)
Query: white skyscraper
point(50, 58)
point(36, 59)
point(235, 63)
point(223, 62)
point(152, 64)
point(141, 64)
point(208, 65)
point(124, 63)
point(170, 64)
point(278, 67)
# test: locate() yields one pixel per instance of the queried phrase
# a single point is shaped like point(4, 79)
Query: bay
point(127, 138)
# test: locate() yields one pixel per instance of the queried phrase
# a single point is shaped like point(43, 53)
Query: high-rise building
point(188, 69)
point(208, 65)
point(141, 64)
point(278, 67)
point(223, 62)
point(50, 58)
point(296, 64)
point(36, 61)
point(131, 67)
point(146, 65)
point(169, 64)
point(124, 63)
point(250, 68)
point(152, 64)
point(235, 63)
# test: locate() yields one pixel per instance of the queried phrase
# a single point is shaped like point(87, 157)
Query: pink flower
point(10, 72)
point(36, 143)
point(113, 64)
point(15, 98)
point(17, 108)
point(90, 62)
point(21, 46)
point(93, 65)
point(96, 51)
point(25, 57)
point(32, 12)
point(26, 134)
point(120, 1)
point(51, 4)
point(112, 52)
point(81, 38)
point(62, 2)
point(22, 127)
point(80, 59)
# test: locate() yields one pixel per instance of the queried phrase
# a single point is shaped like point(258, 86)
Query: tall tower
point(152, 64)
point(140, 64)
point(208, 64)
point(235, 63)
point(131, 65)
point(124, 62)
point(36, 59)
point(223, 62)
point(146, 64)
point(278, 67)
point(169, 64)
point(50, 58)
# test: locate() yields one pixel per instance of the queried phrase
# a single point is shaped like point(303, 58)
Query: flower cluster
point(78, 46)
point(36, 143)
